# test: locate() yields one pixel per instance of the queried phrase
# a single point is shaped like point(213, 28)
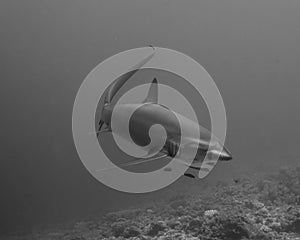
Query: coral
point(210, 213)
point(131, 231)
point(118, 228)
point(259, 208)
point(173, 224)
point(194, 225)
point(155, 228)
point(294, 226)
point(226, 226)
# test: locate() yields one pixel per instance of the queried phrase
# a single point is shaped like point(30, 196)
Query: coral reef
point(261, 208)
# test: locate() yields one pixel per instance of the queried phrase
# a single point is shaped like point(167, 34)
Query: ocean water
point(250, 48)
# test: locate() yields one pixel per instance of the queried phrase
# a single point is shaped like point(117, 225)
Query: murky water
point(250, 48)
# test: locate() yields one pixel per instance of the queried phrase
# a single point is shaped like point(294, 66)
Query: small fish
point(236, 180)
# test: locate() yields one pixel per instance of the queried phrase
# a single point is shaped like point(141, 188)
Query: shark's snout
point(225, 155)
point(222, 154)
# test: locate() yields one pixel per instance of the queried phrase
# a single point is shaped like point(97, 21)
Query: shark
point(151, 112)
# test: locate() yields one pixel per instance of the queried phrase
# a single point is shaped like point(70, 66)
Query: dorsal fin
point(152, 96)
point(120, 81)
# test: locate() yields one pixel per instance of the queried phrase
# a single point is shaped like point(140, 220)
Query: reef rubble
point(261, 208)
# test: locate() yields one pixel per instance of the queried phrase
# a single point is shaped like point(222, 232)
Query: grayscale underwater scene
point(55, 184)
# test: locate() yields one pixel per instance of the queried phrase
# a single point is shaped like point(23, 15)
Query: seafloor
point(261, 208)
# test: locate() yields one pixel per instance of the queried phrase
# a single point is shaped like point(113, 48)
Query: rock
point(150, 211)
point(180, 211)
point(131, 231)
point(194, 224)
point(258, 204)
point(121, 220)
point(263, 212)
point(185, 219)
point(249, 204)
point(155, 228)
point(294, 226)
point(275, 226)
point(143, 237)
point(265, 229)
point(263, 236)
point(254, 204)
point(230, 227)
point(174, 224)
point(118, 228)
point(210, 213)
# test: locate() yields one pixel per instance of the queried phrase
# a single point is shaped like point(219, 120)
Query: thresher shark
point(150, 112)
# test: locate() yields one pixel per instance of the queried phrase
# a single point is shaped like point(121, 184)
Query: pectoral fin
point(135, 162)
point(203, 167)
point(189, 175)
point(105, 129)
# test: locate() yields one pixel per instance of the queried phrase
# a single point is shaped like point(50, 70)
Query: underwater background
point(251, 50)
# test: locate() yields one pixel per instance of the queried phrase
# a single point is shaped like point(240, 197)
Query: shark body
point(149, 113)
